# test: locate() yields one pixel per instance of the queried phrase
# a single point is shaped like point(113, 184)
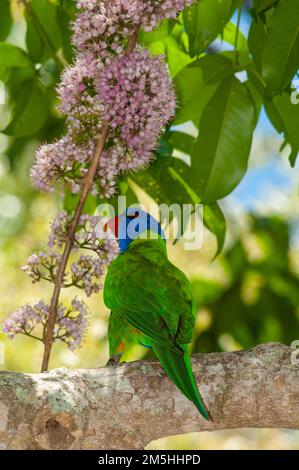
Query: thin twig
point(25, 333)
point(86, 188)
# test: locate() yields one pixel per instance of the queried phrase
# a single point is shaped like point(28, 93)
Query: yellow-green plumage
point(148, 294)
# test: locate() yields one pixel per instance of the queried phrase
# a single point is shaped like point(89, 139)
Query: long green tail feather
point(178, 367)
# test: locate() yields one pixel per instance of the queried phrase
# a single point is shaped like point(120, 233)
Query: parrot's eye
point(133, 215)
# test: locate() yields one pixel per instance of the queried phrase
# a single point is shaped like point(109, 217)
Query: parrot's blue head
point(132, 224)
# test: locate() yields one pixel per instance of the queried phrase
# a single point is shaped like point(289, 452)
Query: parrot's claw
point(114, 360)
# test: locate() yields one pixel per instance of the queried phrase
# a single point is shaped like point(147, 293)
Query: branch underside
point(127, 406)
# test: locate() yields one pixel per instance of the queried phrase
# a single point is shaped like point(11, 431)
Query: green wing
point(146, 290)
point(122, 335)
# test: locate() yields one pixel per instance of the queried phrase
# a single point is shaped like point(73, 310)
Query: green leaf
point(243, 57)
point(17, 78)
point(193, 94)
point(256, 98)
point(236, 4)
point(181, 141)
point(261, 5)
point(30, 110)
point(220, 154)
point(160, 184)
point(126, 190)
point(70, 202)
point(34, 43)
point(214, 220)
point(256, 41)
point(256, 79)
point(13, 56)
point(5, 19)
point(215, 68)
point(285, 117)
point(46, 22)
point(196, 84)
point(157, 34)
point(4, 74)
point(64, 23)
point(179, 171)
point(164, 179)
point(281, 53)
point(157, 48)
point(166, 182)
point(48, 74)
point(204, 21)
point(229, 34)
point(177, 59)
point(69, 6)
point(174, 47)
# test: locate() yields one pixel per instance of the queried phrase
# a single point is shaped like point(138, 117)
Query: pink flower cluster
point(31, 321)
point(138, 100)
point(132, 92)
point(86, 270)
point(103, 26)
point(65, 161)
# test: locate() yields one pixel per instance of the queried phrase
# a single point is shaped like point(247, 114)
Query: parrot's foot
point(114, 360)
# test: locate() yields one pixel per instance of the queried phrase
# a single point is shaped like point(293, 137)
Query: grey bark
point(127, 406)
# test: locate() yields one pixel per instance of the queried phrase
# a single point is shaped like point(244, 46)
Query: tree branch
point(128, 406)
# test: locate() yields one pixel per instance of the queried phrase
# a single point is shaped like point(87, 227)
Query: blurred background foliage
point(247, 295)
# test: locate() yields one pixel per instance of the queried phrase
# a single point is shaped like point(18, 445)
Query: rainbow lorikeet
point(151, 298)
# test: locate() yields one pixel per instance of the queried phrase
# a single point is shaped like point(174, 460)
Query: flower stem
point(86, 188)
point(133, 39)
